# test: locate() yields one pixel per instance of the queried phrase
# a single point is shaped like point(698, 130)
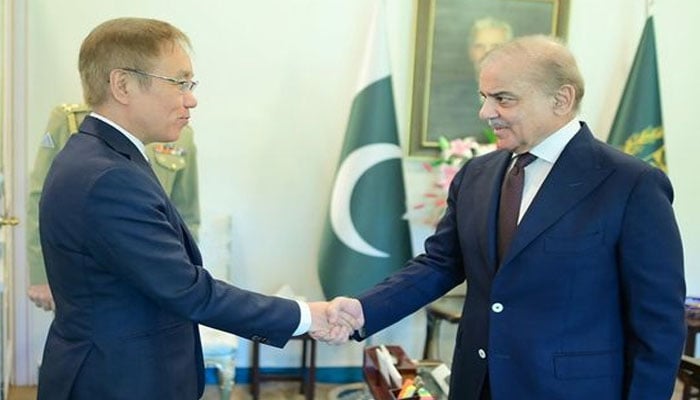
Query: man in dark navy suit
point(587, 299)
point(125, 272)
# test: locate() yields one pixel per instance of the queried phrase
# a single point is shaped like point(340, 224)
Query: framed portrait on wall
point(451, 38)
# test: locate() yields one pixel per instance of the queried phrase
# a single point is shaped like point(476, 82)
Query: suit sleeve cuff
point(304, 319)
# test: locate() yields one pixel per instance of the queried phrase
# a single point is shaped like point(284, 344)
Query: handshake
point(335, 321)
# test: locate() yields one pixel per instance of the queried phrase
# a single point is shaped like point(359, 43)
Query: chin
point(170, 136)
point(502, 144)
point(174, 137)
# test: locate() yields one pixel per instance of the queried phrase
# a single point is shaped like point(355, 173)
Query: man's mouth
point(497, 130)
point(497, 125)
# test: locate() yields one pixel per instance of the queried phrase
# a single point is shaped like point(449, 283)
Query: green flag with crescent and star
point(365, 237)
point(637, 128)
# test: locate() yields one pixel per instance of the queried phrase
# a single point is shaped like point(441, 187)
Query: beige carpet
point(269, 391)
point(285, 391)
point(290, 391)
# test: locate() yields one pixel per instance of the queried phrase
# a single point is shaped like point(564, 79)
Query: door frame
point(16, 342)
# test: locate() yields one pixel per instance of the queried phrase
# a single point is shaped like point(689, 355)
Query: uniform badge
point(47, 141)
point(169, 149)
point(170, 156)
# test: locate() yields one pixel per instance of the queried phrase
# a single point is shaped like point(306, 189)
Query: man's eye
point(504, 99)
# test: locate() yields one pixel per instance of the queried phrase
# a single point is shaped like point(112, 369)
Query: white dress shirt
point(547, 152)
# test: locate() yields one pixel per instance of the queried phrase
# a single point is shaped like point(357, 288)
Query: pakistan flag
point(638, 128)
point(366, 237)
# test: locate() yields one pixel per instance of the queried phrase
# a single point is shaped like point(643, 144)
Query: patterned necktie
point(509, 208)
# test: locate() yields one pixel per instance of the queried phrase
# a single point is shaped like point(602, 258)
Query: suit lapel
point(478, 203)
point(110, 135)
point(118, 142)
point(576, 173)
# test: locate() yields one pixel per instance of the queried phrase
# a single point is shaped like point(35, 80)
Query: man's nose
point(487, 110)
point(190, 100)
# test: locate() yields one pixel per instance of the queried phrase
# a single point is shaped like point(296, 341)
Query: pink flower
point(462, 148)
point(454, 153)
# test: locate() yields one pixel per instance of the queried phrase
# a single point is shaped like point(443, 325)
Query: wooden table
point(307, 373)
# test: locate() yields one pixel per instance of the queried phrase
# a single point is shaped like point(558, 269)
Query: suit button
point(482, 354)
point(497, 307)
point(255, 338)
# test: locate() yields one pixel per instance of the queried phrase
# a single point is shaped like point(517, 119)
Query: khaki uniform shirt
point(175, 165)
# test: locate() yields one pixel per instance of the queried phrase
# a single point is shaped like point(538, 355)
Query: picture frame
point(450, 35)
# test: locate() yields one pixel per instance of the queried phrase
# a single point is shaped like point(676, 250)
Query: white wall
point(276, 79)
point(678, 30)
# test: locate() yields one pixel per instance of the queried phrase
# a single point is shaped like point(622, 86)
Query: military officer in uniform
point(174, 163)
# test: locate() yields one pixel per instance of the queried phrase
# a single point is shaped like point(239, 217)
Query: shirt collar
point(133, 139)
point(551, 147)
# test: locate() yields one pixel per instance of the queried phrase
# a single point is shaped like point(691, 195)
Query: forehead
point(174, 60)
point(503, 74)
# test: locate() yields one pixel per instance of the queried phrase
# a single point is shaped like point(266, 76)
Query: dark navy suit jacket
point(128, 283)
point(588, 302)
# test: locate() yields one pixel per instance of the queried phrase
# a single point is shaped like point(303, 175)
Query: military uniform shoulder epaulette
point(71, 110)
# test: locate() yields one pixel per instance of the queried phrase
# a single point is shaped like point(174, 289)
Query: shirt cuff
point(304, 319)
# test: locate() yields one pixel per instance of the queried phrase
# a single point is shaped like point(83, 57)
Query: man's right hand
point(41, 296)
point(334, 321)
point(346, 311)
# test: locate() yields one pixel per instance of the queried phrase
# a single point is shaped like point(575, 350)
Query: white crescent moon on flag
point(350, 171)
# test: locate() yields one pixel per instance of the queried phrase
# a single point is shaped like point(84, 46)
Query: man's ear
point(564, 99)
point(119, 85)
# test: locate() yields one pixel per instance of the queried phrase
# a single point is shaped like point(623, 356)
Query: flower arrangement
point(453, 154)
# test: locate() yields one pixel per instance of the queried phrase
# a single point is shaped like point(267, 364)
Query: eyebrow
point(183, 74)
point(498, 94)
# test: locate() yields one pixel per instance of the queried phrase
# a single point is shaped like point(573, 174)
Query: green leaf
point(443, 143)
point(490, 136)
